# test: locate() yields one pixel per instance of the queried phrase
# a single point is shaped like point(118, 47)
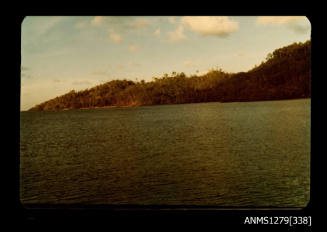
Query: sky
point(63, 53)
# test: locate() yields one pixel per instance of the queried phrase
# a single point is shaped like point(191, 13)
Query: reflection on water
point(218, 154)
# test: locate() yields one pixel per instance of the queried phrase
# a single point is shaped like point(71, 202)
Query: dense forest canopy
point(285, 74)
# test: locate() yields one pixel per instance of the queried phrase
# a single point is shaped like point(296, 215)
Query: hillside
point(285, 74)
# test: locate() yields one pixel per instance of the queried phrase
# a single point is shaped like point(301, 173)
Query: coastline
point(130, 106)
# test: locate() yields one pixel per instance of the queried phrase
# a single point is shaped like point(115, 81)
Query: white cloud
point(139, 23)
point(120, 22)
point(98, 20)
point(278, 20)
point(157, 32)
point(211, 25)
point(294, 23)
point(133, 48)
point(115, 37)
point(177, 35)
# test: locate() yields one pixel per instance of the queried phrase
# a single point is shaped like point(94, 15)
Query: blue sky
point(61, 53)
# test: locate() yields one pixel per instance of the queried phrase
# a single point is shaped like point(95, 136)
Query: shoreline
point(130, 106)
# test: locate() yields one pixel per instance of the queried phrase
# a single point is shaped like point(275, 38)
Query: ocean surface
point(241, 154)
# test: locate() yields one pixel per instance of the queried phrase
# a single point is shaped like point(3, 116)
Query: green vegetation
point(285, 74)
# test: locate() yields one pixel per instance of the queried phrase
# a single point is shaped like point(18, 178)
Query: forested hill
point(285, 74)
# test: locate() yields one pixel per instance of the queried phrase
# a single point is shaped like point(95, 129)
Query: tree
point(286, 73)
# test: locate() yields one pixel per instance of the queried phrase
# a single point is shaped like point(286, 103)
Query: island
point(285, 74)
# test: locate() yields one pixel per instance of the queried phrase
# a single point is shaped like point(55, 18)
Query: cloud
point(196, 62)
point(139, 23)
point(120, 66)
point(300, 29)
point(133, 48)
point(293, 23)
point(25, 72)
point(171, 19)
point(120, 22)
point(188, 63)
point(177, 35)
point(81, 25)
point(46, 24)
point(220, 26)
point(23, 68)
point(115, 37)
point(157, 32)
point(136, 64)
point(240, 54)
point(278, 20)
point(100, 73)
point(81, 83)
point(99, 20)
point(26, 76)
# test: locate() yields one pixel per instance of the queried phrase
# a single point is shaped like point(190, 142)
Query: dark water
point(218, 154)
